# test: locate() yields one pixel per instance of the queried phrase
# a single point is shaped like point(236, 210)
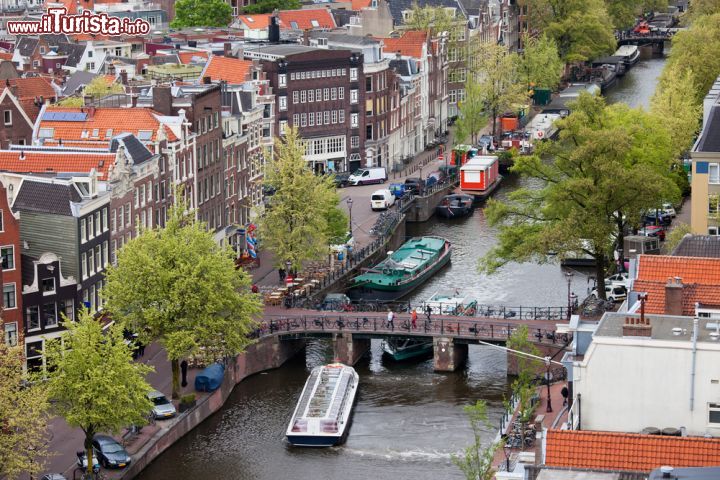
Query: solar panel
point(64, 116)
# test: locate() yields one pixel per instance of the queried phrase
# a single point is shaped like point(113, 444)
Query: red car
point(653, 231)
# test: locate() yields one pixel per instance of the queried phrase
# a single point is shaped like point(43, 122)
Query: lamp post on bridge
point(568, 276)
point(547, 378)
point(349, 202)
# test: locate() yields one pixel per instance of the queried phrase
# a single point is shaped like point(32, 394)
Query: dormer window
point(83, 188)
point(96, 132)
point(145, 135)
point(42, 50)
point(294, 25)
point(48, 285)
point(314, 23)
point(46, 132)
point(322, 42)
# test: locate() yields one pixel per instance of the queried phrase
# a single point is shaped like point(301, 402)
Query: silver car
point(162, 407)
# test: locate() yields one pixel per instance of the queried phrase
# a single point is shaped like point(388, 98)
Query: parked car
point(365, 176)
point(415, 185)
point(162, 407)
point(82, 460)
point(382, 199)
point(341, 179)
point(110, 453)
point(657, 218)
point(668, 209)
point(618, 280)
point(614, 293)
point(53, 476)
point(486, 141)
point(653, 231)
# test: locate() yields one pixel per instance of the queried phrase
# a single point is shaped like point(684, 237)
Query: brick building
point(16, 127)
point(11, 271)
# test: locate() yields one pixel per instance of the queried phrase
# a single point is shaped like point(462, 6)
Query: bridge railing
point(455, 327)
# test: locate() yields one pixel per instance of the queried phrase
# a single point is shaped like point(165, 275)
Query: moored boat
point(400, 349)
point(480, 176)
point(442, 303)
point(455, 206)
point(323, 413)
point(629, 53)
point(402, 271)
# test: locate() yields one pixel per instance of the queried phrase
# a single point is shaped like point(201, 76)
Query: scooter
point(82, 462)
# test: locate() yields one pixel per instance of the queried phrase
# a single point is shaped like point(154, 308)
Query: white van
point(382, 199)
point(365, 176)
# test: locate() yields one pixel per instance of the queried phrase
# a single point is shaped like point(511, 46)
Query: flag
point(251, 241)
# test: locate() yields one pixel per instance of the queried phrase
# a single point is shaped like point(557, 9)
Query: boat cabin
point(461, 154)
point(479, 174)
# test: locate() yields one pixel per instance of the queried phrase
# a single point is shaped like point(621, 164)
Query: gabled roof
point(56, 162)
point(31, 87)
point(46, 197)
point(231, 70)
point(255, 22)
point(76, 80)
point(709, 140)
point(611, 451)
point(188, 57)
point(26, 46)
point(698, 246)
point(692, 293)
point(658, 268)
point(82, 124)
point(134, 149)
point(74, 51)
point(360, 4)
point(303, 19)
point(410, 44)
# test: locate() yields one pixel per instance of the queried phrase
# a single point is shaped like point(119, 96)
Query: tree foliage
point(201, 13)
point(540, 63)
point(675, 236)
point(527, 368)
point(695, 49)
point(582, 28)
point(625, 12)
point(437, 19)
point(98, 87)
point(268, 6)
point(178, 286)
point(94, 382)
point(699, 8)
point(296, 227)
point(23, 416)
point(472, 116)
point(476, 461)
point(609, 164)
point(675, 106)
point(498, 87)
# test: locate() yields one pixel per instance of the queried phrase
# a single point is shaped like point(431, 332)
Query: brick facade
point(10, 272)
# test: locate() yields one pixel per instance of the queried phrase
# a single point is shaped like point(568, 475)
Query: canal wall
point(423, 208)
point(267, 353)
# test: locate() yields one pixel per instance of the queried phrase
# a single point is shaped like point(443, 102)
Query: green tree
point(696, 49)
point(625, 12)
point(296, 226)
point(498, 85)
point(94, 382)
point(177, 286)
point(582, 28)
point(676, 106)
point(675, 236)
point(201, 13)
point(23, 416)
point(527, 369)
point(98, 87)
point(437, 19)
point(476, 461)
point(472, 116)
point(699, 8)
point(609, 164)
point(268, 6)
point(540, 63)
point(337, 224)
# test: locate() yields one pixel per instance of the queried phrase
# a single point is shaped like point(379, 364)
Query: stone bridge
point(351, 333)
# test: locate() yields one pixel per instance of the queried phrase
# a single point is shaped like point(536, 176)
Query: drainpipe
point(692, 372)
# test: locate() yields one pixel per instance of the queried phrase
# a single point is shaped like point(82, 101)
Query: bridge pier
point(349, 350)
point(448, 356)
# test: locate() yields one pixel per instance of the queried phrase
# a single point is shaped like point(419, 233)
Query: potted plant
point(187, 402)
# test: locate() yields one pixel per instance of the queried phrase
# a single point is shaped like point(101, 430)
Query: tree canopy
point(609, 164)
point(98, 87)
point(625, 12)
point(268, 6)
point(540, 63)
point(301, 217)
point(23, 416)
point(201, 13)
point(472, 115)
point(177, 286)
point(476, 461)
point(94, 382)
point(699, 8)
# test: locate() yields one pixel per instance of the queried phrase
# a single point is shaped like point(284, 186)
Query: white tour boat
point(322, 415)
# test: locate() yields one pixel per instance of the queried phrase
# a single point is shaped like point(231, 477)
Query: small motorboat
point(450, 304)
point(400, 349)
point(629, 53)
point(455, 206)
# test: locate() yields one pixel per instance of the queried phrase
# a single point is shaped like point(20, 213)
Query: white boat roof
point(479, 161)
point(625, 50)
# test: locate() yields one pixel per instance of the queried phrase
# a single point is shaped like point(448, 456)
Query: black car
point(414, 185)
point(657, 218)
point(110, 453)
point(341, 179)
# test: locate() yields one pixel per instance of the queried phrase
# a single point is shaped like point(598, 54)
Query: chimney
point(22, 154)
point(674, 297)
point(111, 69)
point(207, 80)
point(91, 111)
point(87, 100)
point(133, 100)
point(637, 327)
point(227, 49)
point(123, 77)
point(162, 99)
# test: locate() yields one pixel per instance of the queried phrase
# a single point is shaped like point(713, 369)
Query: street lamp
point(547, 377)
point(288, 266)
point(568, 276)
point(349, 204)
point(507, 450)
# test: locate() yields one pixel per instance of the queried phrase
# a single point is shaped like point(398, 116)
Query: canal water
point(408, 421)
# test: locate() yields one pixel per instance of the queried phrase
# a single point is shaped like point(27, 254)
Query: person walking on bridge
point(428, 312)
point(391, 319)
point(413, 319)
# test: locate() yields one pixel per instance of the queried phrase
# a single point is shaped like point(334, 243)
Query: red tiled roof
point(118, 119)
point(410, 44)
point(29, 88)
point(185, 57)
point(360, 4)
point(628, 451)
point(56, 162)
point(255, 22)
point(659, 268)
point(304, 18)
point(6, 56)
point(232, 70)
point(692, 293)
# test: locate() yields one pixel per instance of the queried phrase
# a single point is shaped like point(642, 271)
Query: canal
point(408, 420)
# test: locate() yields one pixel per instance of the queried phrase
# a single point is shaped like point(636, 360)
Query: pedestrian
point(428, 312)
point(255, 288)
point(281, 274)
point(141, 349)
point(565, 392)
point(183, 369)
point(391, 319)
point(413, 319)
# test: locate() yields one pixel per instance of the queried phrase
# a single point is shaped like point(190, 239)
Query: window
point(113, 252)
point(354, 120)
point(452, 97)
point(303, 96)
point(98, 226)
point(353, 74)
point(11, 334)
point(67, 307)
point(334, 116)
point(282, 80)
point(216, 120)
point(32, 317)
point(91, 261)
point(46, 132)
point(83, 264)
point(311, 119)
point(368, 108)
point(318, 118)
point(8, 257)
point(282, 103)
point(341, 116)
point(318, 95)
point(714, 413)
point(311, 95)
point(145, 135)
point(48, 285)
point(9, 296)
point(326, 117)
point(714, 173)
point(369, 131)
point(303, 120)
point(368, 84)
point(296, 119)
point(83, 230)
point(7, 116)
point(326, 94)
point(355, 141)
point(282, 127)
point(333, 93)
point(128, 212)
point(50, 314)
point(296, 96)
point(353, 96)
point(292, 76)
point(341, 93)
point(105, 253)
